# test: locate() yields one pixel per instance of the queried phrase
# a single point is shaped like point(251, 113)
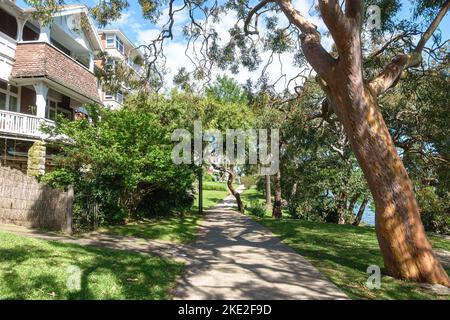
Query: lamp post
point(200, 190)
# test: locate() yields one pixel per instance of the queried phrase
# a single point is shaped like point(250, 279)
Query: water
point(368, 217)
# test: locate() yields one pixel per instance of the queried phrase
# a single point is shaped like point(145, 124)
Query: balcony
point(41, 60)
point(14, 123)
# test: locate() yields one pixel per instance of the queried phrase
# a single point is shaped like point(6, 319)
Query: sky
point(141, 31)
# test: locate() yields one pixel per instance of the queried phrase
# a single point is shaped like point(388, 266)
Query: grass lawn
point(172, 228)
point(343, 253)
point(213, 193)
point(38, 269)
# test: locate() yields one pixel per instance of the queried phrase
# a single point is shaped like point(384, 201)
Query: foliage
point(122, 163)
point(435, 210)
point(248, 181)
point(257, 208)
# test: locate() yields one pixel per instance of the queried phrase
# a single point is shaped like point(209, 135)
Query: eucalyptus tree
point(352, 87)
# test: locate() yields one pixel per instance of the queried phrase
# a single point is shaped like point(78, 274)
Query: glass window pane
point(3, 85)
point(2, 101)
point(13, 104)
point(13, 89)
point(110, 41)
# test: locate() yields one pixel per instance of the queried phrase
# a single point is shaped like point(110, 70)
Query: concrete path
point(236, 258)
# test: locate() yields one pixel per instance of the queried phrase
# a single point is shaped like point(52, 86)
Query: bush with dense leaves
point(257, 209)
point(120, 165)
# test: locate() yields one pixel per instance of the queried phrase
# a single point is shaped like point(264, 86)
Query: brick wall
point(26, 202)
point(41, 59)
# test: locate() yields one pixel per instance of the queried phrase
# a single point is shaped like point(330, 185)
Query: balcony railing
point(22, 124)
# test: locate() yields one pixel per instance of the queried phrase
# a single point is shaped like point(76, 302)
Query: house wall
point(24, 201)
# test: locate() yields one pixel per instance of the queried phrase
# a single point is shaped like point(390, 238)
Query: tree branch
point(354, 9)
point(337, 23)
point(250, 15)
point(389, 77)
point(315, 53)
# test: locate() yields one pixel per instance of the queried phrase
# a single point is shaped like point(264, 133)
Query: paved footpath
point(236, 258)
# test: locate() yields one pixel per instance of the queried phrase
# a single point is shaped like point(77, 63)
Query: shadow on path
point(236, 258)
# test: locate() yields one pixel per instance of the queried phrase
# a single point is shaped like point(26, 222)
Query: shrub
point(434, 210)
point(120, 167)
point(257, 209)
point(248, 181)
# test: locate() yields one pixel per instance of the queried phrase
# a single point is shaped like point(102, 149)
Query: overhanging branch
point(253, 12)
point(389, 77)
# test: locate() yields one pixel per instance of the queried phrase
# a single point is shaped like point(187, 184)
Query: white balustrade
point(22, 124)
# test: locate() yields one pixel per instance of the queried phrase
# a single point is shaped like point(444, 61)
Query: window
point(119, 46)
point(9, 97)
point(8, 24)
point(119, 97)
point(109, 95)
point(13, 104)
point(54, 108)
point(60, 47)
point(3, 97)
point(110, 41)
point(110, 63)
point(130, 62)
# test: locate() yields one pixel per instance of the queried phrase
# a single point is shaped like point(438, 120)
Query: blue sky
point(140, 31)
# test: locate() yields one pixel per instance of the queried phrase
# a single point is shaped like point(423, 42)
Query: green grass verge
point(172, 228)
point(178, 229)
point(210, 198)
point(38, 269)
point(343, 253)
point(219, 186)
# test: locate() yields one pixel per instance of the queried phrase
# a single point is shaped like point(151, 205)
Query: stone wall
point(36, 159)
point(26, 202)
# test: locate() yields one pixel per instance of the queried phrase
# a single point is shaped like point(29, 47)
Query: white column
point(41, 99)
point(20, 25)
point(44, 35)
point(91, 62)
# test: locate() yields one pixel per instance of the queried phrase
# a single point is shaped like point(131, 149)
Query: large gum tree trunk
point(404, 245)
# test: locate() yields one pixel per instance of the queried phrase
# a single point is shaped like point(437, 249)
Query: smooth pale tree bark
point(268, 192)
point(276, 210)
point(361, 210)
point(404, 245)
point(230, 186)
point(233, 191)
